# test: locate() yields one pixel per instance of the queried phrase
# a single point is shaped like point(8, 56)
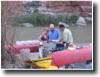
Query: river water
point(81, 35)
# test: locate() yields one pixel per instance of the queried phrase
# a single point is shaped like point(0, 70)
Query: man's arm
point(60, 40)
point(70, 38)
point(48, 36)
point(63, 43)
point(70, 44)
point(48, 39)
point(64, 39)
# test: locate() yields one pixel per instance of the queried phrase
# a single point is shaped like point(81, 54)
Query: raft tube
point(66, 57)
point(33, 48)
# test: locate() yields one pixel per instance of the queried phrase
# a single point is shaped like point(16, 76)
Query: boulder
point(62, 23)
point(27, 25)
point(81, 22)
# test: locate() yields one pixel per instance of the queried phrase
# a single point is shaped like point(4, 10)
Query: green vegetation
point(88, 21)
point(28, 12)
point(36, 10)
point(39, 19)
point(47, 6)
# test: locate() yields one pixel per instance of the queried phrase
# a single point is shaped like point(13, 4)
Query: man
point(53, 34)
point(67, 36)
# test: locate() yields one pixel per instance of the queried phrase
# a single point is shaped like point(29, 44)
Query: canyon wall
point(68, 8)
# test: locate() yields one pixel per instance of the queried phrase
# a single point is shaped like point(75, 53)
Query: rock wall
point(68, 8)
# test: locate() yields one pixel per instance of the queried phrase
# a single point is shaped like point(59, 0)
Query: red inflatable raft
point(33, 48)
point(66, 57)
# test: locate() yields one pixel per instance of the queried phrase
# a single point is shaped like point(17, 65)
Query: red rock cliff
point(82, 8)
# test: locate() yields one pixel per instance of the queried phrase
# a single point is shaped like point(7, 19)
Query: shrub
point(47, 6)
point(68, 20)
point(46, 19)
point(28, 12)
point(74, 18)
point(88, 21)
point(60, 18)
point(36, 10)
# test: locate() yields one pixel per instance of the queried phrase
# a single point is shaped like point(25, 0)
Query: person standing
point(54, 33)
point(43, 36)
point(67, 36)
